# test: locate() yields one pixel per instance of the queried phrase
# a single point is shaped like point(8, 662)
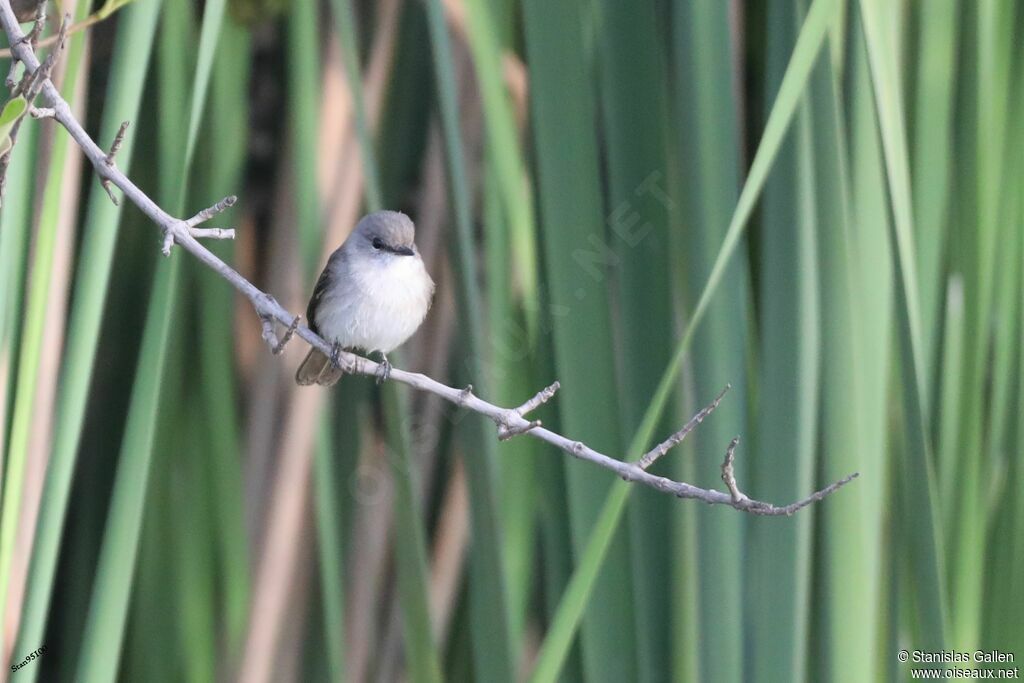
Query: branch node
point(577, 448)
point(42, 112)
point(505, 433)
point(464, 395)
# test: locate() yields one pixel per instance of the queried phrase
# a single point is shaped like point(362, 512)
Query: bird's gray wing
point(322, 283)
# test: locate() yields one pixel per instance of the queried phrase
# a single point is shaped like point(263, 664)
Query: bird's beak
point(404, 251)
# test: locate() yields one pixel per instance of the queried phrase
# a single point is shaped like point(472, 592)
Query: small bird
point(373, 294)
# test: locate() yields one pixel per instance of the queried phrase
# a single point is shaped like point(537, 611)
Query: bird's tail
point(317, 369)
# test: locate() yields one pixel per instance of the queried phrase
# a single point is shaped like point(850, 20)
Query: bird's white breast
point(377, 304)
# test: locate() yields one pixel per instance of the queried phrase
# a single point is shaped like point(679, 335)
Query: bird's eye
point(377, 243)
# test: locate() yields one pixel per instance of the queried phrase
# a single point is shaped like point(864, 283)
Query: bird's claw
point(383, 370)
point(336, 355)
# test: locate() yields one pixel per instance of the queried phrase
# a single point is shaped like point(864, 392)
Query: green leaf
point(493, 658)
point(12, 111)
point(783, 462)
point(105, 627)
point(43, 251)
point(916, 469)
point(556, 643)
point(577, 258)
point(639, 206)
point(133, 46)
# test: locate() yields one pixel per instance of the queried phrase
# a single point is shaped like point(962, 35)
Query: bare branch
point(509, 421)
point(742, 501)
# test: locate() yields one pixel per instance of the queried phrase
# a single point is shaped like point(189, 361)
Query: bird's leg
point(336, 355)
point(384, 369)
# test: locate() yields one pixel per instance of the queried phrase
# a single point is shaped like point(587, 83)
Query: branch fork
point(513, 422)
point(174, 231)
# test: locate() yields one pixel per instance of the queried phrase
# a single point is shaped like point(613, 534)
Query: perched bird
point(372, 295)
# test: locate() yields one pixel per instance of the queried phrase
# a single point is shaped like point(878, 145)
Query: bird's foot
point(383, 370)
point(336, 355)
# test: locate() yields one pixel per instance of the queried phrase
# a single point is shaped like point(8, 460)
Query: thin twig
point(206, 214)
point(270, 311)
point(213, 233)
point(279, 347)
point(542, 397)
point(661, 449)
point(42, 73)
point(729, 475)
point(115, 147)
point(37, 26)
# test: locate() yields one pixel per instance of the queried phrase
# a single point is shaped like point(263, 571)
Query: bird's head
point(386, 233)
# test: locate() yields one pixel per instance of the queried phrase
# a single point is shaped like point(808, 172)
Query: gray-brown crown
point(393, 228)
